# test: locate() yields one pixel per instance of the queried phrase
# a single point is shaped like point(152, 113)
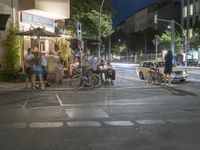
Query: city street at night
point(99, 75)
point(131, 114)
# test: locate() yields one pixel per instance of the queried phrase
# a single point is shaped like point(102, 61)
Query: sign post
point(80, 41)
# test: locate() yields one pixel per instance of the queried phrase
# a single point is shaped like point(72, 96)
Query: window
point(197, 7)
point(191, 9)
point(185, 2)
point(190, 22)
point(190, 33)
point(196, 19)
point(185, 23)
point(185, 11)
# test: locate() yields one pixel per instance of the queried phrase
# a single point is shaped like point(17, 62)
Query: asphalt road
point(129, 115)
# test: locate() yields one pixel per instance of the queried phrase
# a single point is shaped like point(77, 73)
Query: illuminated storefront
point(32, 14)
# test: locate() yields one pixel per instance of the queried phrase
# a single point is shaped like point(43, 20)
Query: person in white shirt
point(28, 64)
point(93, 62)
point(44, 65)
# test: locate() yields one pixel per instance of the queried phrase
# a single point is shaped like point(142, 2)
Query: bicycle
point(80, 80)
point(154, 75)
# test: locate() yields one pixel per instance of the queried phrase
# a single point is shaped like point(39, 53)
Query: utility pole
point(172, 45)
point(145, 45)
point(109, 47)
point(100, 11)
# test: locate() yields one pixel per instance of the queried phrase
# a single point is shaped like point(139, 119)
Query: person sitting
point(74, 66)
point(110, 73)
point(93, 63)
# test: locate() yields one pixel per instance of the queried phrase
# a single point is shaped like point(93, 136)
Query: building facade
point(29, 14)
point(144, 18)
point(190, 11)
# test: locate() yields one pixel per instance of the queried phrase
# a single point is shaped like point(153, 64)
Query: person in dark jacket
point(168, 66)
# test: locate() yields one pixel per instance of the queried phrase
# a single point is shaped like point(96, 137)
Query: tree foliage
point(166, 40)
point(63, 46)
point(87, 13)
point(12, 51)
point(195, 40)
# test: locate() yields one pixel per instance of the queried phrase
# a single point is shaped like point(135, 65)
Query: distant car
point(177, 73)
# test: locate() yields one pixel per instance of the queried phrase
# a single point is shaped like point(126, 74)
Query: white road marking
point(119, 123)
point(26, 102)
point(148, 122)
point(83, 124)
point(59, 100)
point(46, 124)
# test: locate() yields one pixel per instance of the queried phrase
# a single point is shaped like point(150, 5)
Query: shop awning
point(38, 32)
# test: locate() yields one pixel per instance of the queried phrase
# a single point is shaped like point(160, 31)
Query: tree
point(195, 40)
point(166, 39)
point(87, 12)
point(12, 51)
point(63, 46)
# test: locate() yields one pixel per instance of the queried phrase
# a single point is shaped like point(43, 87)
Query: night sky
point(124, 8)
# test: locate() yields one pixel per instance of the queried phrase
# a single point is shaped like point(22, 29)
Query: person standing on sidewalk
point(28, 65)
point(44, 64)
point(168, 66)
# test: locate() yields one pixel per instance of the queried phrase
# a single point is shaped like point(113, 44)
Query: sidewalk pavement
point(21, 86)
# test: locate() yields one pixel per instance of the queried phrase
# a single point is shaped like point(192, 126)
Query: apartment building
point(190, 10)
point(144, 18)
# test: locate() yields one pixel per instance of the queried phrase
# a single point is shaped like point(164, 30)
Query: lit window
point(185, 11)
point(190, 33)
point(191, 9)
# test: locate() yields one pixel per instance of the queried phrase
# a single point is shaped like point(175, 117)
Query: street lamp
point(99, 52)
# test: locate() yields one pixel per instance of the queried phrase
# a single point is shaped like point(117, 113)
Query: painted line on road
point(46, 124)
point(26, 102)
point(151, 121)
point(59, 100)
point(119, 123)
point(83, 124)
point(91, 123)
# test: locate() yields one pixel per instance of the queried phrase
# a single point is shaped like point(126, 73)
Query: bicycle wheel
point(160, 78)
point(148, 77)
point(77, 82)
point(95, 80)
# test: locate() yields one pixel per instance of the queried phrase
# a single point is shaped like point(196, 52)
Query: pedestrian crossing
point(103, 123)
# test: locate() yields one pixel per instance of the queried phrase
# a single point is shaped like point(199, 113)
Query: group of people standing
point(34, 65)
point(42, 69)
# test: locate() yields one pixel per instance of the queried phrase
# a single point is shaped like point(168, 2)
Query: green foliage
point(195, 40)
point(66, 51)
point(87, 12)
point(166, 40)
point(12, 51)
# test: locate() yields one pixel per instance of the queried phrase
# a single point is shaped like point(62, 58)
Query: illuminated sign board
point(34, 19)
